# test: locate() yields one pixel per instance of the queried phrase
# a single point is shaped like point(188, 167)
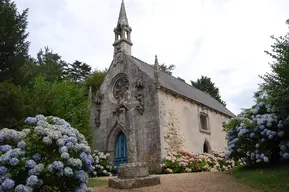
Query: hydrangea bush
point(48, 155)
point(256, 136)
point(102, 166)
point(182, 161)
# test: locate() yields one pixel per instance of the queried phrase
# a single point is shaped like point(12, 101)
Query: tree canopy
point(205, 84)
point(276, 82)
point(13, 44)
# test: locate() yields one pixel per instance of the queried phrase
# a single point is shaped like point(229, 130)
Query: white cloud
point(222, 39)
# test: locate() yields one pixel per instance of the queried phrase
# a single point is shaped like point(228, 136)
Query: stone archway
point(112, 139)
point(207, 147)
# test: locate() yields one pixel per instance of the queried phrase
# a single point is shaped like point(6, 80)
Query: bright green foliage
point(276, 83)
point(13, 44)
point(64, 99)
point(95, 79)
point(205, 84)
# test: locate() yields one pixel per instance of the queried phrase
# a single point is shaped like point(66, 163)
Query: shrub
point(102, 166)
point(182, 161)
point(48, 155)
point(256, 135)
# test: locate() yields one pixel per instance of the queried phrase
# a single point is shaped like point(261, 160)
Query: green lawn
point(93, 182)
point(267, 178)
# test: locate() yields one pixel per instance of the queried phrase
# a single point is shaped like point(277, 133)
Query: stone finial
point(157, 73)
point(122, 32)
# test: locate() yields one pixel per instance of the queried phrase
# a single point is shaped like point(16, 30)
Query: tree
point(79, 71)
point(276, 82)
point(51, 66)
point(95, 79)
point(13, 44)
point(167, 69)
point(205, 84)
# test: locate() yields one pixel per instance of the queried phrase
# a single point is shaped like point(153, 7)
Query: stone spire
point(157, 72)
point(122, 33)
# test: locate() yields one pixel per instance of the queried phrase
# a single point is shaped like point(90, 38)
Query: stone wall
point(180, 125)
point(147, 123)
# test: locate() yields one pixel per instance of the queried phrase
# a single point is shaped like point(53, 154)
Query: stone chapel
point(167, 113)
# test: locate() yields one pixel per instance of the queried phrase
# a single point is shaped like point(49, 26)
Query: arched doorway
point(206, 147)
point(120, 150)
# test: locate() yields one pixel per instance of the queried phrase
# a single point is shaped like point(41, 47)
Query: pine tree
point(13, 44)
point(205, 84)
point(79, 71)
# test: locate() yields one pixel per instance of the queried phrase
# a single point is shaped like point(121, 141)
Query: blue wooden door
point(120, 151)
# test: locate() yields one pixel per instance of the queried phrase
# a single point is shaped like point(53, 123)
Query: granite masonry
point(168, 114)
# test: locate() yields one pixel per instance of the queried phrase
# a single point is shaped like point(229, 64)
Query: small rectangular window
point(204, 124)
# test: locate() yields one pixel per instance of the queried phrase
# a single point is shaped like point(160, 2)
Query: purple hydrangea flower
point(57, 165)
point(21, 145)
point(5, 148)
point(3, 170)
point(68, 172)
point(36, 157)
point(30, 120)
point(14, 161)
point(64, 155)
point(30, 164)
point(63, 149)
point(32, 181)
point(20, 188)
point(81, 176)
point(8, 184)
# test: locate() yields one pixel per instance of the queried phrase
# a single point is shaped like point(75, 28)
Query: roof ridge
point(185, 83)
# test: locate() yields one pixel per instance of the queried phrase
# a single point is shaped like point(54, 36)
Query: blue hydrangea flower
point(30, 164)
point(47, 141)
point(8, 184)
point(20, 188)
point(3, 170)
point(57, 165)
point(14, 161)
point(21, 145)
point(5, 148)
point(81, 176)
point(65, 155)
point(68, 172)
point(30, 120)
point(265, 159)
point(36, 157)
point(63, 149)
point(285, 155)
point(60, 142)
point(32, 180)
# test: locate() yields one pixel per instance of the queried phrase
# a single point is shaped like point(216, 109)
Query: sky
point(222, 39)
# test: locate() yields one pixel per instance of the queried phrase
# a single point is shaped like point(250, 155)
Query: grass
point(267, 178)
point(93, 182)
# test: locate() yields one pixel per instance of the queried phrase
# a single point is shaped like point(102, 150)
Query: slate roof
point(175, 85)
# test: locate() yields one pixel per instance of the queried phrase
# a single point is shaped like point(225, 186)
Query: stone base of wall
point(133, 175)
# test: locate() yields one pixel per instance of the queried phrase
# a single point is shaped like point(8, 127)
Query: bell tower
point(122, 33)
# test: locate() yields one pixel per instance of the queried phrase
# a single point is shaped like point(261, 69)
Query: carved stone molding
point(97, 100)
point(140, 95)
point(118, 57)
point(120, 87)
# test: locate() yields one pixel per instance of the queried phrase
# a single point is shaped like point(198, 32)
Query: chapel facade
point(168, 114)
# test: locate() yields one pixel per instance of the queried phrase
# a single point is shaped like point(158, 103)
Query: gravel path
point(191, 182)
